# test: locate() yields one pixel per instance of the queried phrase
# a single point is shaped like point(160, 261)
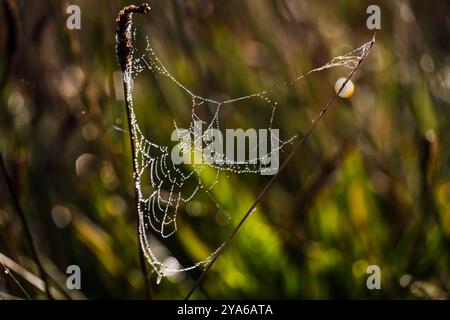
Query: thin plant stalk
point(274, 177)
point(124, 57)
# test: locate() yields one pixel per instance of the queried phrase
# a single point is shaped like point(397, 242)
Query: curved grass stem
point(124, 58)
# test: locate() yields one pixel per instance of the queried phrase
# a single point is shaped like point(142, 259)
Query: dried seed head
point(123, 33)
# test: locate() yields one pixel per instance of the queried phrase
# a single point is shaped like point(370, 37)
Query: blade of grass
point(31, 278)
point(19, 285)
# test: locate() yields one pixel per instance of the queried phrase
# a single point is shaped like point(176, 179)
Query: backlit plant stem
point(125, 59)
point(283, 165)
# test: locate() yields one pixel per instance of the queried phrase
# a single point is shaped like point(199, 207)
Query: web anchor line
point(293, 152)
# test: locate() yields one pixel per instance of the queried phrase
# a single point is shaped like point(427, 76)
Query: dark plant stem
point(280, 170)
point(25, 226)
point(125, 57)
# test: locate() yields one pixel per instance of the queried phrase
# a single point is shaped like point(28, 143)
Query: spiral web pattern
point(158, 210)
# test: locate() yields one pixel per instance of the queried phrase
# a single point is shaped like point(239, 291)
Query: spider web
point(158, 210)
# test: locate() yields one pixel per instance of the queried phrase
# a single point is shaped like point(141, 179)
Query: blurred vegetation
point(370, 186)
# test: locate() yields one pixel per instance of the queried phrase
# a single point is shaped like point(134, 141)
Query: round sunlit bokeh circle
point(348, 89)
